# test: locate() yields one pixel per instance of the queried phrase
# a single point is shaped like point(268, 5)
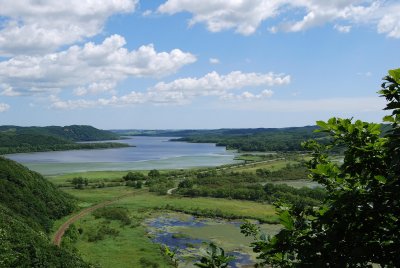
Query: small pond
point(188, 234)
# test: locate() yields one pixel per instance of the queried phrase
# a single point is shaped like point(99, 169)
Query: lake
point(149, 153)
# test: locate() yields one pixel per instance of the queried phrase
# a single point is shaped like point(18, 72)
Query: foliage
point(248, 186)
point(154, 173)
point(358, 223)
point(113, 213)
point(32, 197)
point(186, 183)
point(101, 233)
point(214, 257)
point(134, 176)
point(79, 182)
point(28, 206)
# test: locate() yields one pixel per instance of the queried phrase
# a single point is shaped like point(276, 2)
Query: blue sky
point(194, 64)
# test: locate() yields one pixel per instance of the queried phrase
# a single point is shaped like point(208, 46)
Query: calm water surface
point(149, 153)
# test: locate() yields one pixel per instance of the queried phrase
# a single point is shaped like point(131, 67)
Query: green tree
point(134, 176)
point(358, 223)
point(154, 173)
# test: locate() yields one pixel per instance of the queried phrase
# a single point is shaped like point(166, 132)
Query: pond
point(189, 234)
point(148, 153)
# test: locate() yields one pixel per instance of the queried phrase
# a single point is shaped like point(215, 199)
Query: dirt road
point(60, 232)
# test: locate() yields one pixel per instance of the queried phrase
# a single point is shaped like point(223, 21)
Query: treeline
point(156, 181)
point(252, 186)
point(71, 133)
point(262, 140)
point(29, 205)
point(15, 139)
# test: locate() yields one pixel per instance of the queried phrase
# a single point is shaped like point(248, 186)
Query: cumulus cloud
point(214, 61)
point(217, 85)
point(389, 24)
point(184, 90)
point(246, 16)
point(4, 107)
point(37, 27)
point(91, 68)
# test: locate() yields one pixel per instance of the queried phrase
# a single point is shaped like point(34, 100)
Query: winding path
point(60, 232)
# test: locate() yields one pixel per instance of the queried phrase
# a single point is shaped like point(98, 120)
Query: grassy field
point(142, 200)
point(131, 247)
point(272, 166)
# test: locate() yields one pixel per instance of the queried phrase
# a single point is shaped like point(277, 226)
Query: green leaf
point(380, 178)
point(395, 74)
point(286, 220)
point(323, 125)
point(388, 118)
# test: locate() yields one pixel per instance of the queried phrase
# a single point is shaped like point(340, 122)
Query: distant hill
point(28, 206)
point(15, 139)
point(68, 133)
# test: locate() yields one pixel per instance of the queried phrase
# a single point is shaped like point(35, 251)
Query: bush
point(113, 213)
point(101, 233)
point(134, 176)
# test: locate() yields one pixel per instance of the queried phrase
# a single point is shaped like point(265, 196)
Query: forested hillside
point(261, 139)
point(14, 139)
point(243, 139)
point(28, 206)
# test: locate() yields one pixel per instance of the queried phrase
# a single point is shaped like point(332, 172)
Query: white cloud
point(91, 68)
point(342, 28)
point(147, 13)
point(184, 90)
point(4, 107)
point(8, 91)
point(32, 27)
point(214, 61)
point(247, 96)
point(389, 24)
point(214, 84)
point(246, 16)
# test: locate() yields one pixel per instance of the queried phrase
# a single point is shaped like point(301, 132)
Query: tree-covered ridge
point(71, 133)
point(263, 139)
point(28, 206)
point(14, 139)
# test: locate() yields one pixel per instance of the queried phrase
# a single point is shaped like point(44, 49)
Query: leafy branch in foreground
point(358, 223)
point(214, 257)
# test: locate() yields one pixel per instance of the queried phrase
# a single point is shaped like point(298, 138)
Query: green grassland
point(131, 247)
point(272, 165)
